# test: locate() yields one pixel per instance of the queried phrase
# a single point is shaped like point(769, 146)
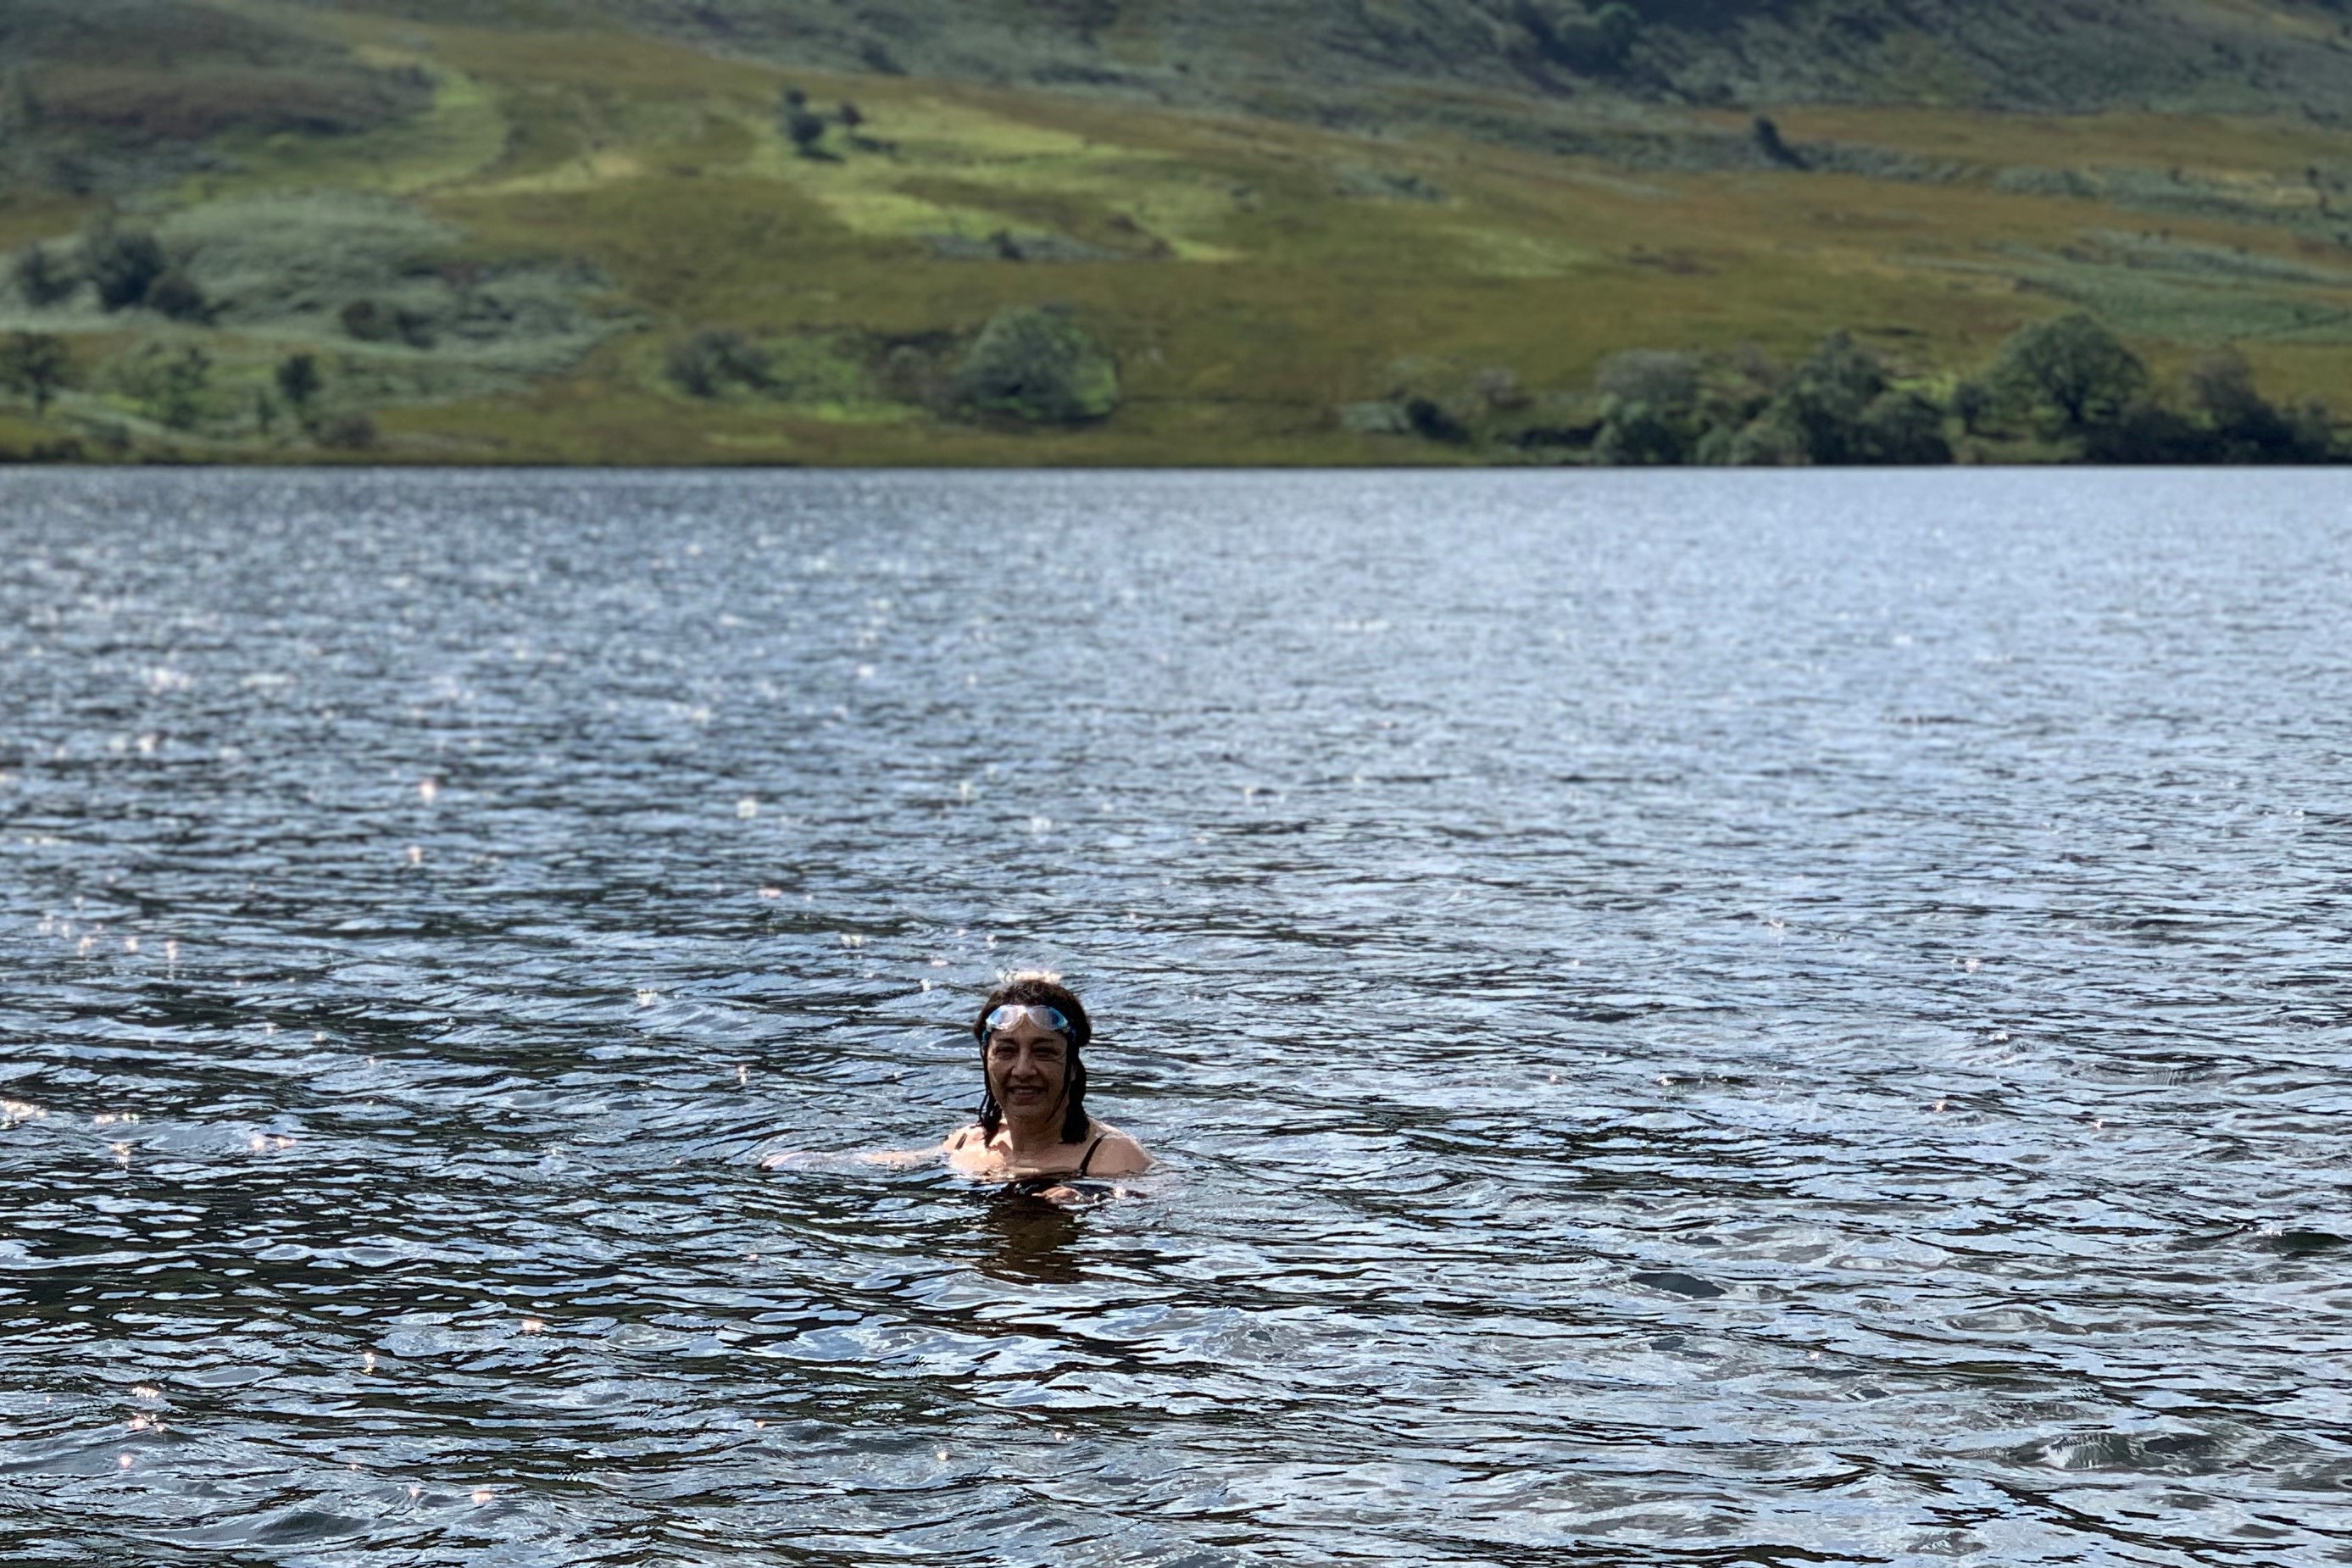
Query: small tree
point(349, 433)
point(1767, 441)
point(1593, 42)
point(807, 131)
point(1433, 421)
point(179, 389)
point(1040, 366)
point(1901, 430)
point(1649, 407)
point(1971, 401)
point(2246, 426)
point(1768, 139)
point(1827, 396)
point(299, 382)
point(42, 279)
point(122, 262)
point(705, 365)
point(175, 294)
point(35, 365)
point(2221, 388)
point(2072, 372)
point(2314, 433)
point(2145, 431)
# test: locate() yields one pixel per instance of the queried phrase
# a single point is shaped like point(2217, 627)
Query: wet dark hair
point(1035, 990)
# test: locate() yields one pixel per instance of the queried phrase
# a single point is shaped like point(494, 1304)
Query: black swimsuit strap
point(1088, 1158)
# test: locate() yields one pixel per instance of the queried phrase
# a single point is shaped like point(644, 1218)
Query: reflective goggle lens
point(1044, 1017)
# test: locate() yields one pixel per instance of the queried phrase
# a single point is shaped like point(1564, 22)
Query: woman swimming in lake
point(1033, 1129)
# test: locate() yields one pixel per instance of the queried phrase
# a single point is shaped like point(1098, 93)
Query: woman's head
point(1031, 1030)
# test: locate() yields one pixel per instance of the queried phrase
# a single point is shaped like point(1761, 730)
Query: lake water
point(1691, 1018)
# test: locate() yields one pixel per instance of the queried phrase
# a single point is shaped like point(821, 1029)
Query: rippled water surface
point(1690, 1019)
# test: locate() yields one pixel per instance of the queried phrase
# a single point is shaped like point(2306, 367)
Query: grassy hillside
point(545, 241)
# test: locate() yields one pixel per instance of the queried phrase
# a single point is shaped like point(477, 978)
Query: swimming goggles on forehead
point(1038, 1013)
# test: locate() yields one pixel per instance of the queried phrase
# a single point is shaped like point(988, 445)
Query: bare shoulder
point(1119, 1156)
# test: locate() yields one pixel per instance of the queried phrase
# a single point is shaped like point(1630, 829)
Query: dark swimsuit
point(1030, 1186)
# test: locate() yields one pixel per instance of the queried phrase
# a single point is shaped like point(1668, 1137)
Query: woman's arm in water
point(894, 1158)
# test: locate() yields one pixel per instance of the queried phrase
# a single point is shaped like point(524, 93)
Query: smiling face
point(1028, 1070)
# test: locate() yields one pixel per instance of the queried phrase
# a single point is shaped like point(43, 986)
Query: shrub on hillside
point(707, 363)
point(176, 389)
point(36, 365)
point(2145, 432)
point(1973, 400)
point(41, 278)
point(1039, 366)
point(1827, 395)
point(373, 321)
point(1767, 441)
point(1901, 430)
point(2245, 426)
point(175, 294)
point(299, 382)
point(123, 263)
point(807, 132)
point(1593, 42)
point(349, 433)
point(1649, 408)
point(1766, 134)
point(1433, 421)
point(1643, 434)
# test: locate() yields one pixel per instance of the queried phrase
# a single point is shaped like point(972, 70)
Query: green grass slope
point(561, 239)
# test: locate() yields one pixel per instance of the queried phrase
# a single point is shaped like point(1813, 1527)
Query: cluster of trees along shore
point(2061, 390)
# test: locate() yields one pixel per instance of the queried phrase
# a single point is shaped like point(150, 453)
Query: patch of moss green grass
point(462, 132)
point(30, 216)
